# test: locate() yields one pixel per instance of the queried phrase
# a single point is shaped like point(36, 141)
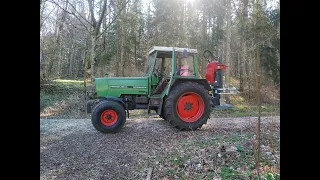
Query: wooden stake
point(149, 173)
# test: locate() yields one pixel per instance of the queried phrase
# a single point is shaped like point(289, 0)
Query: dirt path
point(73, 149)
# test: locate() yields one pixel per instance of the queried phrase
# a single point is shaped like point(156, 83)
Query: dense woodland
point(80, 39)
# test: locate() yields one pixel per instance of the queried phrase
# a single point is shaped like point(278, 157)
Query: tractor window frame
point(151, 63)
point(185, 62)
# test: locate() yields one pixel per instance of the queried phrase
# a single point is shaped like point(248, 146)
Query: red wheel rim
point(109, 117)
point(190, 107)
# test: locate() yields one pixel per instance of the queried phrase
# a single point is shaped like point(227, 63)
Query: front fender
point(91, 103)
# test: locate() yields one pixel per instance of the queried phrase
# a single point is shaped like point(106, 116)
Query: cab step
point(155, 102)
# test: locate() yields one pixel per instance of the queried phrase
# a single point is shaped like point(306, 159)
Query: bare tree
point(243, 43)
point(95, 32)
point(228, 32)
point(258, 84)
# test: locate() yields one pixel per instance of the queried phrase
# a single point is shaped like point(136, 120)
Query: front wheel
point(108, 117)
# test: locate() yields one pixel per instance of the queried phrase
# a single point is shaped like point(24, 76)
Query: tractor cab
point(167, 64)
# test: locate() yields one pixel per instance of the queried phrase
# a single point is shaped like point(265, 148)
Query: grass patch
point(68, 81)
point(49, 99)
point(242, 110)
point(228, 172)
point(54, 92)
point(201, 157)
point(62, 86)
point(140, 113)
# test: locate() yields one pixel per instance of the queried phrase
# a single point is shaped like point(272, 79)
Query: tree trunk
point(123, 41)
point(228, 49)
point(243, 44)
point(182, 24)
point(258, 76)
point(85, 69)
point(257, 40)
point(95, 33)
point(135, 53)
point(204, 40)
point(118, 56)
point(93, 56)
point(59, 60)
point(58, 43)
point(242, 64)
point(42, 5)
point(118, 40)
point(71, 61)
point(238, 65)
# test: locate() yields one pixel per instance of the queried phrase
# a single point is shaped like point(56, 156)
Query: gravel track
point(73, 149)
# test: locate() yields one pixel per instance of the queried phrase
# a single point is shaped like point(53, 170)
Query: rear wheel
point(108, 117)
point(188, 106)
point(162, 115)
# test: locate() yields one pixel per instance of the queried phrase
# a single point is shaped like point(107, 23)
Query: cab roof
point(169, 49)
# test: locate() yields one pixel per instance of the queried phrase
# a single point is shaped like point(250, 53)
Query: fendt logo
point(135, 87)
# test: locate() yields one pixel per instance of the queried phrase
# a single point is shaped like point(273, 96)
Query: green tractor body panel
point(116, 86)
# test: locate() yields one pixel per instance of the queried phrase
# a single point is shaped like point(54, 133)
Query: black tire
point(170, 106)
point(114, 119)
point(162, 115)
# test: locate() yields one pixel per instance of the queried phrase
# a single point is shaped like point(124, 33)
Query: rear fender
point(203, 82)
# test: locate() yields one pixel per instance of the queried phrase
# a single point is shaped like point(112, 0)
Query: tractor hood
point(116, 86)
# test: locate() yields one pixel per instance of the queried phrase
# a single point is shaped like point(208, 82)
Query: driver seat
point(162, 85)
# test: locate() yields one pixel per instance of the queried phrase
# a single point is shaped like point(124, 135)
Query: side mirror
point(185, 53)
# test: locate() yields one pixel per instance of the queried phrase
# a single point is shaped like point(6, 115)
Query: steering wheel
point(209, 56)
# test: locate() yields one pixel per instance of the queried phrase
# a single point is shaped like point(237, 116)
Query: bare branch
point(102, 15)
point(78, 12)
point(76, 27)
point(43, 1)
point(235, 7)
point(93, 20)
point(113, 19)
point(72, 14)
point(45, 18)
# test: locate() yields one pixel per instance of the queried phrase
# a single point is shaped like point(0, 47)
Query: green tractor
point(171, 87)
